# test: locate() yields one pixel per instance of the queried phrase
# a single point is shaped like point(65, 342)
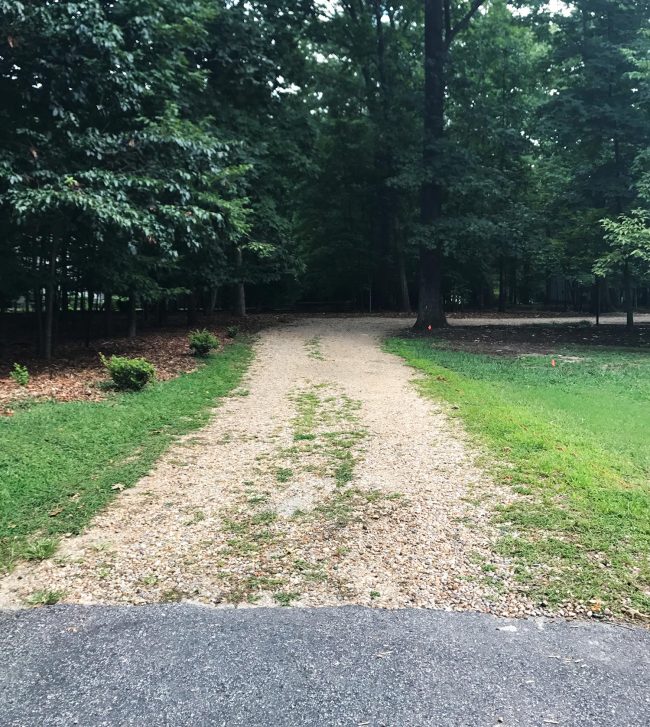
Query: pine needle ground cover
point(61, 462)
point(573, 440)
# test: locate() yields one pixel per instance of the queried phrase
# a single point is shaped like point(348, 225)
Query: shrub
point(20, 374)
point(131, 374)
point(232, 331)
point(202, 342)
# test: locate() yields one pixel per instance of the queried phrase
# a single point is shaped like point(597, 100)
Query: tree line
point(429, 154)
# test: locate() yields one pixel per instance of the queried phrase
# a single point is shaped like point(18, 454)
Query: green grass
point(574, 441)
point(61, 462)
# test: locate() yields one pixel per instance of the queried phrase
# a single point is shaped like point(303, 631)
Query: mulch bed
point(514, 340)
point(77, 374)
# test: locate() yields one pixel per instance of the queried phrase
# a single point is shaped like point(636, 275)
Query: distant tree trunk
point(211, 301)
point(629, 300)
point(241, 300)
point(108, 313)
point(502, 285)
point(133, 314)
point(89, 318)
point(430, 302)
point(240, 305)
point(50, 292)
point(38, 313)
point(404, 298)
point(513, 283)
point(162, 311)
point(63, 300)
point(192, 315)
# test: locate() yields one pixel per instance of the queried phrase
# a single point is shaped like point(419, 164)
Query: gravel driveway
point(325, 480)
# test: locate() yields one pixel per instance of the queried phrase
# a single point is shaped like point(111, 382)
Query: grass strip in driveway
point(61, 462)
point(572, 440)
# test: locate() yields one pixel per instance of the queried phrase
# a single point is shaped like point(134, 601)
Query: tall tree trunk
point(430, 308)
point(629, 301)
point(240, 304)
point(430, 303)
point(133, 314)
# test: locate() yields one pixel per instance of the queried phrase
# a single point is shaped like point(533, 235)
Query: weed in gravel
point(172, 595)
point(313, 346)
point(283, 474)
point(257, 499)
point(310, 571)
point(264, 518)
point(197, 517)
point(286, 598)
point(40, 549)
point(325, 433)
point(45, 598)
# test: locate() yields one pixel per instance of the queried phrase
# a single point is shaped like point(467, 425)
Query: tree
point(596, 121)
point(628, 239)
point(440, 30)
point(110, 177)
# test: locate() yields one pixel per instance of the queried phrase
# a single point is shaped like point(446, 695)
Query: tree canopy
point(355, 153)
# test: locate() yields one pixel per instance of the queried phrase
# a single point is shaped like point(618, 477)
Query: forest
point(159, 156)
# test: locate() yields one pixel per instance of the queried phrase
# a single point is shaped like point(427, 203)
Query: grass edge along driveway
point(62, 462)
point(571, 440)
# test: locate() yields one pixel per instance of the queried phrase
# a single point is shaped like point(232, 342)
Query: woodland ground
point(333, 482)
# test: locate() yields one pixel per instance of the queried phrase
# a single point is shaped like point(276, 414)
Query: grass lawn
point(60, 463)
point(574, 441)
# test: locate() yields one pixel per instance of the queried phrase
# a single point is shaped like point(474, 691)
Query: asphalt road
point(186, 665)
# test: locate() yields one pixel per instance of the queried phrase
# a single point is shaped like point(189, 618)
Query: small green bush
point(20, 374)
point(232, 331)
point(129, 374)
point(202, 342)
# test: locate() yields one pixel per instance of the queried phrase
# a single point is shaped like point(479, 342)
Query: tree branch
point(464, 21)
